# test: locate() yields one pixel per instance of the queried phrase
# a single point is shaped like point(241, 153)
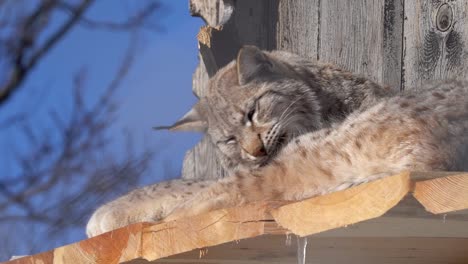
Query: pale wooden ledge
point(393, 217)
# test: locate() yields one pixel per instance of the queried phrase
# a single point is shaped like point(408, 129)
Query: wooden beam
point(363, 202)
point(443, 195)
point(326, 250)
point(341, 209)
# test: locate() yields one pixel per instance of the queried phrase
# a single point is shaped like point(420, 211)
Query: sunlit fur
point(419, 130)
point(295, 96)
point(359, 139)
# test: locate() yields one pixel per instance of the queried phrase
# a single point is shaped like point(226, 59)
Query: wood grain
point(213, 12)
point(345, 208)
point(432, 52)
point(252, 22)
point(443, 194)
point(363, 37)
point(201, 162)
point(298, 27)
point(363, 202)
point(355, 250)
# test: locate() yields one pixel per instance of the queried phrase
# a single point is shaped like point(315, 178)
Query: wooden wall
point(402, 44)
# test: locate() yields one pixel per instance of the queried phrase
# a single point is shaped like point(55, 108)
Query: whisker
point(289, 106)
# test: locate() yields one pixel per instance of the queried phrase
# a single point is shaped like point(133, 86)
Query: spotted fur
point(258, 103)
point(422, 130)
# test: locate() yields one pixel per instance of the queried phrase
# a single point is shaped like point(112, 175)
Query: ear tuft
point(252, 63)
point(191, 121)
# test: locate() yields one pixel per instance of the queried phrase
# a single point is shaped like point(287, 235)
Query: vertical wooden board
point(435, 41)
point(352, 36)
point(213, 12)
point(298, 27)
point(200, 79)
point(256, 22)
point(392, 43)
point(252, 22)
point(201, 162)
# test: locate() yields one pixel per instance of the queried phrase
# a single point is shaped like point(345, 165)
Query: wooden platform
point(375, 250)
point(357, 225)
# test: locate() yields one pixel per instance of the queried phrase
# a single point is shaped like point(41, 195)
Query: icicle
point(288, 240)
point(203, 252)
point(301, 249)
point(445, 216)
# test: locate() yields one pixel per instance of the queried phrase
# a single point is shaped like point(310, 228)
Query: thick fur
point(379, 136)
point(261, 101)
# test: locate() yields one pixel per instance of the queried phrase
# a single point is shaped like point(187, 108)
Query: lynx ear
point(252, 63)
point(191, 121)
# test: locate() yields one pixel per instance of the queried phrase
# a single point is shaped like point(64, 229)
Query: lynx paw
point(103, 220)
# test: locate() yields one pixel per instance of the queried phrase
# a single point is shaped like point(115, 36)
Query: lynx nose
point(254, 148)
point(259, 152)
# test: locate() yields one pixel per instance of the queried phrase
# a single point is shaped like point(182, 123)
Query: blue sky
point(157, 90)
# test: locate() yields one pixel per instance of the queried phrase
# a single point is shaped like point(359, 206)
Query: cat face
point(253, 107)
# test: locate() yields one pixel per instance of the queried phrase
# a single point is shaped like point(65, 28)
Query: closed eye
point(229, 141)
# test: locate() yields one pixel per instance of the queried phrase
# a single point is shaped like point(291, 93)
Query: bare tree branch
point(137, 20)
point(63, 169)
point(22, 68)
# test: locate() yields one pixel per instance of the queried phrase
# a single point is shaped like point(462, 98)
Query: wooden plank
point(158, 240)
point(205, 230)
point(435, 41)
point(252, 22)
point(201, 162)
point(443, 195)
point(409, 207)
point(442, 226)
point(298, 27)
point(392, 43)
point(111, 247)
point(256, 23)
point(200, 79)
point(338, 209)
point(363, 37)
point(381, 250)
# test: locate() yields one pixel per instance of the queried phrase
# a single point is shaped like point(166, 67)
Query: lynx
point(261, 101)
point(299, 129)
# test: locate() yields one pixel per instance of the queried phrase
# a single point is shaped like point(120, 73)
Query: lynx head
point(253, 106)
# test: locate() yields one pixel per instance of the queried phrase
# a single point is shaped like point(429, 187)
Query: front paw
point(102, 221)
